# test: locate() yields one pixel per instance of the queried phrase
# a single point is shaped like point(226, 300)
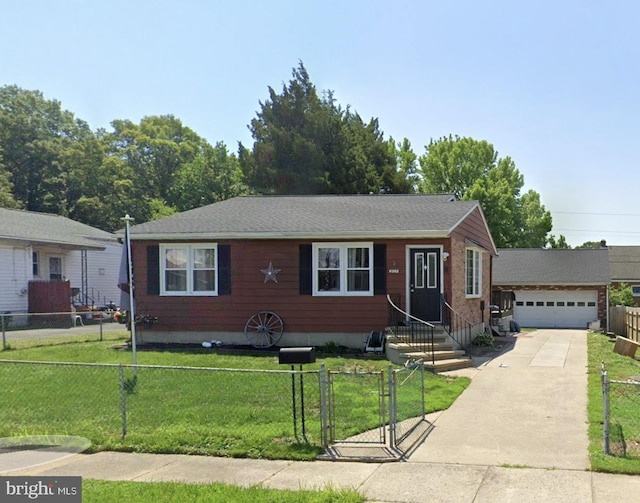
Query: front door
point(424, 287)
point(55, 268)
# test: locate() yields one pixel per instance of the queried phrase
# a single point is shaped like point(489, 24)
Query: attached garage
point(554, 288)
point(555, 308)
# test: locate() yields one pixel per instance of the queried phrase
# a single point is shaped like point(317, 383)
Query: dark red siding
point(250, 294)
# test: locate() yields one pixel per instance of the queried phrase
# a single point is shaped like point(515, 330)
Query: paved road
point(44, 333)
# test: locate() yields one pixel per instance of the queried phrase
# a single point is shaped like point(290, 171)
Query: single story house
point(323, 264)
point(554, 288)
point(624, 263)
point(40, 250)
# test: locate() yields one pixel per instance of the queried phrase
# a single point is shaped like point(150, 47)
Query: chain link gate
point(353, 402)
point(379, 408)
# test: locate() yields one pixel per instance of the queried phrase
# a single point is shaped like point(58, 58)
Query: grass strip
point(98, 491)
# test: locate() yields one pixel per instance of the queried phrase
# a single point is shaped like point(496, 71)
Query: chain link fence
point(210, 411)
point(225, 412)
point(621, 406)
point(20, 329)
point(407, 401)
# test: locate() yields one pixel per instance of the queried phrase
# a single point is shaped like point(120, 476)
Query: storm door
point(424, 287)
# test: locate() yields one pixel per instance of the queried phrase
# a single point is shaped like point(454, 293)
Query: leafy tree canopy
point(621, 295)
point(471, 170)
point(36, 139)
point(593, 244)
point(304, 142)
point(6, 188)
point(561, 242)
point(52, 162)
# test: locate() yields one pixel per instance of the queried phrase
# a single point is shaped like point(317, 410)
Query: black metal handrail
point(458, 328)
point(417, 333)
point(80, 298)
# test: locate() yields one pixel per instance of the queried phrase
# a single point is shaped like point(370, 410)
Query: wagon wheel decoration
point(264, 329)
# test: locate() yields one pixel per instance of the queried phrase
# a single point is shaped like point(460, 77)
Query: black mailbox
point(297, 355)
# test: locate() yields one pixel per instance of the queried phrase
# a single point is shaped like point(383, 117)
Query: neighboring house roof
point(325, 216)
point(48, 229)
point(624, 262)
point(537, 266)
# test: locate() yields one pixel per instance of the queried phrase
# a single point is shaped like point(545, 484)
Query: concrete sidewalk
point(518, 433)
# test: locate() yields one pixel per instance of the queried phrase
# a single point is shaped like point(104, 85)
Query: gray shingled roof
point(47, 229)
point(360, 216)
point(537, 266)
point(624, 262)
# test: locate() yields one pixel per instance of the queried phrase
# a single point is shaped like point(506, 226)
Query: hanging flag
point(123, 278)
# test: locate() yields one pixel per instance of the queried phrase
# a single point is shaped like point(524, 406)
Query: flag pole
point(132, 314)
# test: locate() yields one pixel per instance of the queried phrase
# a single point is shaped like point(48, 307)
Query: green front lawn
point(618, 368)
point(192, 411)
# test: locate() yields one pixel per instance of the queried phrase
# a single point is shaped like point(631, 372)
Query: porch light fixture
point(445, 256)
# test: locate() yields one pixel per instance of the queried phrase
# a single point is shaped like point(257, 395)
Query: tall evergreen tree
point(305, 143)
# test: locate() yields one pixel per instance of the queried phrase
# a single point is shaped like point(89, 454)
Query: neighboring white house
point(45, 247)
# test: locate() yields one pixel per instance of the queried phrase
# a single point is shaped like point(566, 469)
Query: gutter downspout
point(608, 308)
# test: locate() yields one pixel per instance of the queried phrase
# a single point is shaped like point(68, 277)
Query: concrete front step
point(437, 355)
point(445, 356)
point(403, 347)
point(399, 350)
point(407, 338)
point(400, 353)
point(445, 365)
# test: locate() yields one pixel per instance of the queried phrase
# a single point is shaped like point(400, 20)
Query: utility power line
point(595, 214)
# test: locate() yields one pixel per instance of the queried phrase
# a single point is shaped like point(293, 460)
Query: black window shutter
point(305, 270)
point(224, 269)
point(379, 269)
point(153, 270)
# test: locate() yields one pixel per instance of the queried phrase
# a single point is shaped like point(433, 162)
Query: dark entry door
point(424, 289)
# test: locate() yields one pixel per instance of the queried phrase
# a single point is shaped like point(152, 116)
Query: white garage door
point(556, 309)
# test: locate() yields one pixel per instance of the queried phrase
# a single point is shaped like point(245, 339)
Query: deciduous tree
point(36, 136)
point(471, 169)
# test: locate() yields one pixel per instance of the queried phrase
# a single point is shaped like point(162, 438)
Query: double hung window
point(188, 269)
point(473, 273)
point(342, 269)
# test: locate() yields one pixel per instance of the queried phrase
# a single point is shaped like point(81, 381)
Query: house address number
point(394, 271)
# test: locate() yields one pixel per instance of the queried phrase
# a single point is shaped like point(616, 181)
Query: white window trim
point(477, 255)
point(635, 290)
point(343, 246)
point(189, 292)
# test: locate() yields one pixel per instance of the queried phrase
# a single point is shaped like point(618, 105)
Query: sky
point(554, 85)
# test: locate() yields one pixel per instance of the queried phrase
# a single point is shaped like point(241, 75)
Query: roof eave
point(549, 283)
point(347, 235)
point(62, 244)
point(494, 250)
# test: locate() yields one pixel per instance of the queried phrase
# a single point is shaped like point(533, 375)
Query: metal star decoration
point(270, 274)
